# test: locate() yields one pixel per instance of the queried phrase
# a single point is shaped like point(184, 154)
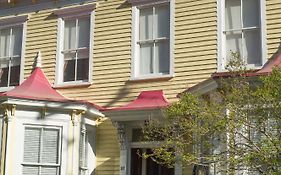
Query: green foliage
point(236, 127)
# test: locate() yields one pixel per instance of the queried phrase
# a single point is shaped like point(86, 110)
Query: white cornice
point(54, 105)
point(13, 20)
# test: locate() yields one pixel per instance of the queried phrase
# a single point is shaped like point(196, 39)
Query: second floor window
point(152, 38)
point(76, 49)
point(242, 31)
point(10, 55)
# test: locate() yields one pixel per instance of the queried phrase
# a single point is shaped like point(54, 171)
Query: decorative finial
point(38, 59)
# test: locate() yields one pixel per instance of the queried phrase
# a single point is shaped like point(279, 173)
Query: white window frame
point(68, 14)
point(57, 165)
point(135, 38)
point(221, 49)
point(16, 21)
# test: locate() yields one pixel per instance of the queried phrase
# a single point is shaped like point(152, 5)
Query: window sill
point(152, 78)
point(248, 68)
point(5, 89)
point(71, 85)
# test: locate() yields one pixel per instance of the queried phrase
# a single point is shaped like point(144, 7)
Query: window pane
point(4, 63)
point(162, 61)
point(31, 145)
point(82, 69)
point(16, 41)
point(162, 21)
point(252, 47)
point(15, 75)
point(146, 23)
point(251, 13)
point(232, 14)
point(70, 35)
point(4, 42)
point(49, 171)
point(146, 59)
point(69, 67)
point(84, 32)
point(50, 148)
point(30, 170)
point(233, 44)
point(136, 161)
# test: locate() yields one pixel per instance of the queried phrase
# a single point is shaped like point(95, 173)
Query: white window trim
point(221, 49)
point(14, 21)
point(135, 32)
point(68, 13)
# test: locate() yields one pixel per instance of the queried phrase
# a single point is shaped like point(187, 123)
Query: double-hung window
point(74, 50)
point(152, 40)
point(42, 150)
point(241, 31)
point(10, 54)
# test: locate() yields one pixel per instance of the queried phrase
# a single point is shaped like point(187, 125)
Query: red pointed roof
point(37, 87)
point(146, 100)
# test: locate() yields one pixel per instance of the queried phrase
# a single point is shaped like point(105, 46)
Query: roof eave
point(52, 104)
point(134, 115)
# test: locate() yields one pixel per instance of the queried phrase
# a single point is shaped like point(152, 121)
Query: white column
point(75, 148)
point(9, 119)
point(123, 148)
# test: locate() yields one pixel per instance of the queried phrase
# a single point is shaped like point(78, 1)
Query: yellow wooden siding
point(107, 150)
point(273, 22)
point(194, 60)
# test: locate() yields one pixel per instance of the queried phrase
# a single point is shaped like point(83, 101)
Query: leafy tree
point(235, 128)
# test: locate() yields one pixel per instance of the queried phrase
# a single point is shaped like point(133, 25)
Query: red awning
point(37, 87)
point(146, 100)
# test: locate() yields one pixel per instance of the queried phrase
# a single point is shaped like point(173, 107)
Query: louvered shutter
point(41, 151)
point(50, 146)
point(31, 145)
point(83, 151)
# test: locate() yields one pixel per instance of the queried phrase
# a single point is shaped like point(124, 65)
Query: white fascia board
point(134, 115)
point(76, 11)
point(54, 105)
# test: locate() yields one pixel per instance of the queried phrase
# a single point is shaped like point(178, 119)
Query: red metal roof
point(265, 70)
point(37, 87)
point(145, 100)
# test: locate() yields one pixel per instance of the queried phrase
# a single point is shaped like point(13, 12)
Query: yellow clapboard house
point(116, 63)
